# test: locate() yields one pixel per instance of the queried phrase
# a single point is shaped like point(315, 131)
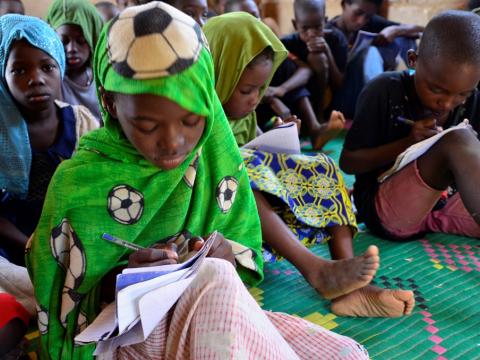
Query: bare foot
point(338, 277)
point(372, 301)
point(325, 133)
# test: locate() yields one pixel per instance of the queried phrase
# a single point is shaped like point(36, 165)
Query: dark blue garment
point(24, 214)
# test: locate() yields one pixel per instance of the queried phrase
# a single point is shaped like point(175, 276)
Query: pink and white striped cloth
point(217, 318)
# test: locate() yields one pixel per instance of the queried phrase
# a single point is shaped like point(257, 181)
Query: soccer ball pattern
point(226, 192)
point(125, 204)
point(191, 172)
point(42, 319)
point(172, 39)
point(69, 254)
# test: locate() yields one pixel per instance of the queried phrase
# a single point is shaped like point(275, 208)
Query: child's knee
point(458, 139)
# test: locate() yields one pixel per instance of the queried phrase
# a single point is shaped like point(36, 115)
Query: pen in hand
point(121, 242)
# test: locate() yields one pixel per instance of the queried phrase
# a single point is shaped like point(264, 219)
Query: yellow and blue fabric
point(307, 191)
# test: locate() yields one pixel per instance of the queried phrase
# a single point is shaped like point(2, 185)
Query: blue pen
point(121, 242)
point(405, 121)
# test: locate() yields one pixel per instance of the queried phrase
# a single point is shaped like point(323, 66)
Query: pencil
point(405, 121)
point(121, 242)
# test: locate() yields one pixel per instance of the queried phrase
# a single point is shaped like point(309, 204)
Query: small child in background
point(362, 15)
point(11, 7)
point(324, 50)
point(438, 192)
point(107, 10)
point(287, 93)
point(78, 24)
point(197, 9)
point(251, 7)
point(216, 7)
point(36, 131)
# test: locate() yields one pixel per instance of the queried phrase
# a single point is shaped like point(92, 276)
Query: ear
point(343, 4)
point(412, 58)
point(294, 23)
point(108, 102)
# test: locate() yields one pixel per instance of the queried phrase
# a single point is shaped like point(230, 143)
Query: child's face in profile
point(162, 131)
point(357, 14)
point(32, 76)
point(440, 89)
point(197, 9)
point(77, 51)
point(246, 95)
point(309, 25)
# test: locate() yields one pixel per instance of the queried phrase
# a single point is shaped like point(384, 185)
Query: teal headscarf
point(15, 152)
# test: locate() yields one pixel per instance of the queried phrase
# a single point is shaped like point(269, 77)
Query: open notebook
point(143, 297)
point(282, 139)
point(416, 150)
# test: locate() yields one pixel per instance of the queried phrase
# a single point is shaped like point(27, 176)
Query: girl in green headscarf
point(78, 24)
point(299, 197)
point(158, 172)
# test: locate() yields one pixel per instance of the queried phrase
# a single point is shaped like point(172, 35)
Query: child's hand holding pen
point(421, 129)
point(159, 254)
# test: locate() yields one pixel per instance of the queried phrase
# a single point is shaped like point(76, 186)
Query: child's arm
point(390, 33)
point(320, 46)
point(368, 159)
point(11, 236)
point(299, 78)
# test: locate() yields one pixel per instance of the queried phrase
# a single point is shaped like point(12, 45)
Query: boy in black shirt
point(362, 15)
point(440, 94)
point(324, 50)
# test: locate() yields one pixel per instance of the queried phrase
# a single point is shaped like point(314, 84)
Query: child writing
point(37, 132)
point(157, 170)
point(78, 24)
point(440, 94)
point(307, 191)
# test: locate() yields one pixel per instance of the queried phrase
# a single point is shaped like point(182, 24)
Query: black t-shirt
point(335, 40)
point(378, 23)
point(388, 96)
point(375, 25)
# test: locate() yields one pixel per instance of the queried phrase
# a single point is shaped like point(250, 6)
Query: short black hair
point(308, 6)
point(473, 4)
point(452, 35)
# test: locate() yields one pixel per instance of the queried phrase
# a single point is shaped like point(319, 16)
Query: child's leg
point(330, 278)
point(421, 183)
point(455, 158)
point(318, 86)
point(369, 301)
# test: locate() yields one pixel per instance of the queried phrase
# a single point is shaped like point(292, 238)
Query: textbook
point(282, 139)
point(366, 39)
point(143, 296)
point(416, 150)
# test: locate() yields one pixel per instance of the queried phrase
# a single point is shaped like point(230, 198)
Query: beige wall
point(405, 11)
point(36, 7)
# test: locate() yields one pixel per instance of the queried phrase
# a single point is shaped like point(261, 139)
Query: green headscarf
point(77, 12)
point(109, 187)
point(235, 39)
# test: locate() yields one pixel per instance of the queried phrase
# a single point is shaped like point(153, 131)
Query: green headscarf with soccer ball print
point(108, 187)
